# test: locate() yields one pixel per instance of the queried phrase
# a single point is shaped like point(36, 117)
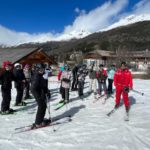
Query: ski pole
point(48, 108)
point(137, 92)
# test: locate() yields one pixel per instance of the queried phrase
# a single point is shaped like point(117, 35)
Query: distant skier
point(27, 73)
point(66, 82)
point(101, 75)
point(40, 92)
point(75, 78)
point(110, 73)
point(82, 73)
point(59, 78)
point(93, 81)
point(123, 83)
point(19, 84)
point(6, 79)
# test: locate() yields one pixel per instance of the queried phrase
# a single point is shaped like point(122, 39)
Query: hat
point(17, 64)
point(27, 66)
point(6, 63)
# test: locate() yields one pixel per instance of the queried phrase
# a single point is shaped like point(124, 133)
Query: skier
point(81, 74)
point(101, 75)
point(27, 73)
point(59, 78)
point(110, 73)
point(6, 79)
point(66, 80)
point(123, 83)
point(75, 79)
point(92, 76)
point(19, 84)
point(40, 92)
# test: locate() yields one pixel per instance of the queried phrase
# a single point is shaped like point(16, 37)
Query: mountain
point(131, 37)
point(128, 20)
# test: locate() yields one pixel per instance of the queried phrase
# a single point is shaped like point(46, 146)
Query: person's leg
point(90, 86)
point(126, 101)
point(41, 110)
point(66, 95)
point(104, 88)
point(118, 95)
point(79, 88)
point(109, 86)
point(73, 84)
point(63, 93)
point(99, 88)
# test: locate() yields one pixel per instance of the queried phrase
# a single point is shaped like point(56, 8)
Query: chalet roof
point(14, 54)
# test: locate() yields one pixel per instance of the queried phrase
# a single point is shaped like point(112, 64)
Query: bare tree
point(122, 54)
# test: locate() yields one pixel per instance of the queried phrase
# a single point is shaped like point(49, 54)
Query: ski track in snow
point(90, 128)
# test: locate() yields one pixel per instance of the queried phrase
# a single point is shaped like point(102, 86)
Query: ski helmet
point(66, 67)
point(39, 66)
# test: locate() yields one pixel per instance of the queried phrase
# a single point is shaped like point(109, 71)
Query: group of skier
point(37, 78)
point(121, 77)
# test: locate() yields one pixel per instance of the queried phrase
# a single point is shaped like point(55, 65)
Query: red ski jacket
point(59, 75)
point(123, 78)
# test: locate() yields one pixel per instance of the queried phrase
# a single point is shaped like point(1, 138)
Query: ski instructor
point(123, 84)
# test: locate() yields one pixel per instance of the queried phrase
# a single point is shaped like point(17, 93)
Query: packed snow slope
point(90, 129)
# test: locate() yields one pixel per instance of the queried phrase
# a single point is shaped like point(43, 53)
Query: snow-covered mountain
point(128, 20)
point(122, 22)
point(74, 34)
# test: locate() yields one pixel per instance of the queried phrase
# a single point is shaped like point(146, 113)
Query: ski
point(29, 127)
point(111, 112)
point(60, 106)
point(58, 103)
point(98, 98)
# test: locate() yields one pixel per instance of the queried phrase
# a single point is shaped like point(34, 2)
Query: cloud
point(142, 7)
point(10, 37)
point(89, 22)
point(98, 18)
point(81, 12)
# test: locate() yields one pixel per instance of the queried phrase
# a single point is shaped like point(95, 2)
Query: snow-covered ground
point(90, 128)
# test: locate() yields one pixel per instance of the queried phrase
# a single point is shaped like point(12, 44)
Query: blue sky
point(45, 15)
point(44, 20)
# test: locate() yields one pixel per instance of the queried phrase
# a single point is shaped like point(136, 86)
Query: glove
point(48, 95)
point(126, 89)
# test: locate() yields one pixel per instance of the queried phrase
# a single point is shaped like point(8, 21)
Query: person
point(101, 75)
point(111, 73)
point(92, 76)
point(19, 84)
point(27, 73)
point(75, 79)
point(65, 80)
point(6, 79)
point(59, 78)
point(81, 74)
point(123, 83)
point(39, 90)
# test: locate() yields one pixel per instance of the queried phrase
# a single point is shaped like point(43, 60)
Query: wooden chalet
point(99, 57)
point(25, 56)
point(105, 57)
